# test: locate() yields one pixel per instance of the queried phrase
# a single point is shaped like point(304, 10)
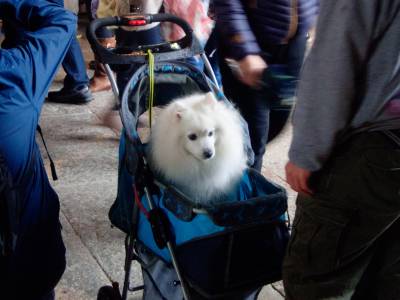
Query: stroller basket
point(261, 200)
point(243, 243)
point(229, 263)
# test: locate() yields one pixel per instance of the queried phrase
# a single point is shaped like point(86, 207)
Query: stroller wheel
point(108, 293)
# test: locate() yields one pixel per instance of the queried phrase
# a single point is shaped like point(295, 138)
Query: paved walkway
point(85, 153)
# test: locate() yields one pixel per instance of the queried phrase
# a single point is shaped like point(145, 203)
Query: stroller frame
point(189, 41)
point(144, 180)
point(130, 241)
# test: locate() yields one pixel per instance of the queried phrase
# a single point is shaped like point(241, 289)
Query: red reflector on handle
point(137, 22)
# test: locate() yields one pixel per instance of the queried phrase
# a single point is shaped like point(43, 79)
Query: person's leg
point(211, 50)
point(382, 278)
point(76, 89)
point(91, 7)
point(76, 82)
point(342, 230)
point(312, 268)
point(258, 119)
point(74, 66)
point(254, 107)
point(100, 82)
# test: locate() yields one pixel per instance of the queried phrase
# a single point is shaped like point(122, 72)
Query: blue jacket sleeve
point(235, 29)
point(43, 32)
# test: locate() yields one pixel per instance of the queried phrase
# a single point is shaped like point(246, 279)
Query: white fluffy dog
point(196, 143)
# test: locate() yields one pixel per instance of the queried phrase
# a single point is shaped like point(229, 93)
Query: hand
point(251, 69)
point(298, 178)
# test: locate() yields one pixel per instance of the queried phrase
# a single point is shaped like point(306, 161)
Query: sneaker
point(71, 96)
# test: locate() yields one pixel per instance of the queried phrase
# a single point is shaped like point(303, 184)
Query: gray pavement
point(84, 147)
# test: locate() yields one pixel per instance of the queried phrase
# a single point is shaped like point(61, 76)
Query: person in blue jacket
point(42, 34)
point(264, 42)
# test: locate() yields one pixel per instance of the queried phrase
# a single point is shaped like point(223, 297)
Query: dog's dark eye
point(210, 133)
point(192, 137)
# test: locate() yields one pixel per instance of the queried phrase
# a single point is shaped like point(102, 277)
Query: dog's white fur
point(197, 144)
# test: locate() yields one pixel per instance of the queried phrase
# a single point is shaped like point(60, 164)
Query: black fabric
point(231, 264)
point(11, 206)
point(9, 212)
point(264, 201)
point(161, 282)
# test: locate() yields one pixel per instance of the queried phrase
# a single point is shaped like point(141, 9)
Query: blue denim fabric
point(211, 50)
point(74, 63)
point(75, 67)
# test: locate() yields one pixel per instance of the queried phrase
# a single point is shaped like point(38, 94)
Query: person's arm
point(235, 29)
point(332, 79)
point(44, 32)
point(239, 41)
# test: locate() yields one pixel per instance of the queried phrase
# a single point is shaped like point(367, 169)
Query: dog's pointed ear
point(210, 99)
point(178, 115)
point(179, 109)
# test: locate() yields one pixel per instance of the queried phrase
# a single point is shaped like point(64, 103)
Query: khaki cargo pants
point(345, 242)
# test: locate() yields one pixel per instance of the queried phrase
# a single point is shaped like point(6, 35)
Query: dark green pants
point(345, 242)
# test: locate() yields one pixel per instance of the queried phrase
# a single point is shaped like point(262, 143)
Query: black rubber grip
point(186, 47)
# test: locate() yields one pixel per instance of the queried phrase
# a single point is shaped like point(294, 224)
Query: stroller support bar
point(178, 272)
point(166, 236)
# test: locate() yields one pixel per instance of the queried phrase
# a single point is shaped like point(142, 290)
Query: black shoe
point(92, 64)
point(71, 96)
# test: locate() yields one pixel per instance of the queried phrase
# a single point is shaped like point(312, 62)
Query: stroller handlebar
point(186, 47)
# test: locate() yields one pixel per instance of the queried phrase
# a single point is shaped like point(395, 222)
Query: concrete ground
point(84, 147)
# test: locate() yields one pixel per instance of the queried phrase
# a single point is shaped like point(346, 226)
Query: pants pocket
point(317, 231)
point(381, 179)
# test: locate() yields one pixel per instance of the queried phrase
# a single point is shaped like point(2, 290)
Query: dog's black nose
point(207, 154)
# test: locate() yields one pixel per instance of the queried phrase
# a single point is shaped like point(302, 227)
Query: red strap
point(139, 203)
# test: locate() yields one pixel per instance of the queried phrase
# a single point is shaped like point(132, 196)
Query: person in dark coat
point(262, 44)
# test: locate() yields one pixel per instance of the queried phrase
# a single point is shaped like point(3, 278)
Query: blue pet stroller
point(227, 250)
